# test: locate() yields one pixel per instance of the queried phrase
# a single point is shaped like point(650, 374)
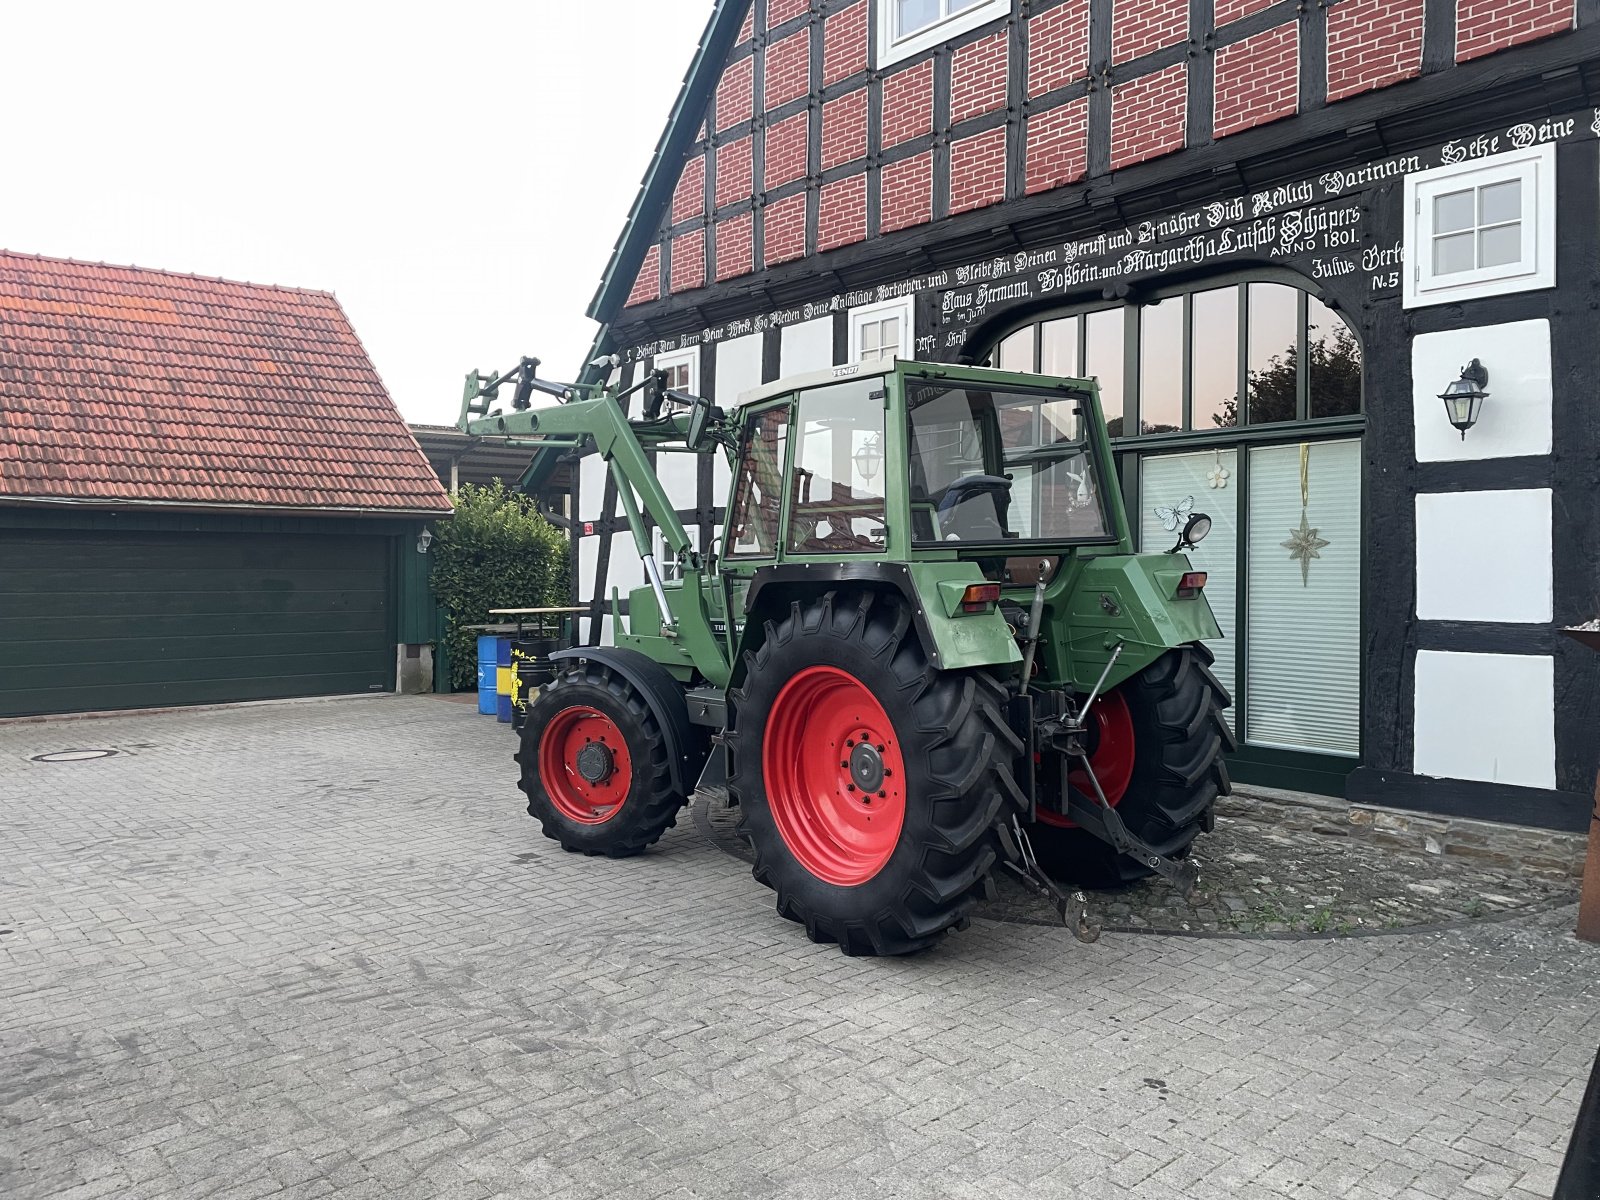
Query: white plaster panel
point(1488, 717)
point(738, 368)
point(1515, 419)
point(1484, 556)
point(807, 346)
point(592, 475)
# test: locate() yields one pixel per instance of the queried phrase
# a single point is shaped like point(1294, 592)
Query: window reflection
point(1016, 352)
point(1161, 366)
point(1333, 363)
point(1273, 352)
point(1058, 350)
point(1215, 366)
point(837, 504)
point(1103, 351)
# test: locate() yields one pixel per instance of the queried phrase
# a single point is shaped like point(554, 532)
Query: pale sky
point(457, 174)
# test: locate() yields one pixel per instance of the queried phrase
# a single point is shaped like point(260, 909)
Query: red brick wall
point(844, 43)
point(689, 197)
point(735, 173)
point(1484, 26)
point(735, 94)
point(1232, 10)
point(1058, 46)
point(1140, 26)
point(788, 69)
point(786, 150)
point(1148, 116)
point(748, 29)
point(779, 11)
point(1058, 146)
point(1258, 80)
point(735, 246)
point(908, 104)
point(978, 77)
point(785, 230)
point(842, 217)
point(978, 170)
point(647, 286)
point(907, 193)
point(1371, 44)
point(844, 129)
point(689, 261)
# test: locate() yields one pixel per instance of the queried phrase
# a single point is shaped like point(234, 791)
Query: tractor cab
point(909, 461)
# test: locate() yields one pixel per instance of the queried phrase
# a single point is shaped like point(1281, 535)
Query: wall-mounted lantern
point(424, 540)
point(869, 458)
point(1464, 398)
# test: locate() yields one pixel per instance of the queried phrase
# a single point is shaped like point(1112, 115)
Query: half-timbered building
point(1275, 232)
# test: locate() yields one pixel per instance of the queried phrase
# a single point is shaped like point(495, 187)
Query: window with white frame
point(881, 332)
point(908, 26)
point(1481, 228)
point(682, 368)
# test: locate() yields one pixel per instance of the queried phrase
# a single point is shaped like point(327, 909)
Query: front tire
point(869, 784)
point(594, 764)
point(1157, 752)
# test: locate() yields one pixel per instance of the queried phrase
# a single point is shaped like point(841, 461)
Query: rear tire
point(594, 764)
point(1174, 710)
point(841, 696)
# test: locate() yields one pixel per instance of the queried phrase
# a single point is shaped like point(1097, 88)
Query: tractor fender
point(951, 643)
point(664, 695)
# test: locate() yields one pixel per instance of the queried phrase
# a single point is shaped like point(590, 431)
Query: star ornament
point(1303, 545)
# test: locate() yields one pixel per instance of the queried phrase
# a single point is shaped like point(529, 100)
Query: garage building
point(206, 495)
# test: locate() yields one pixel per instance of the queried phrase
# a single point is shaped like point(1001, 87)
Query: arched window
point(1241, 352)
point(1241, 398)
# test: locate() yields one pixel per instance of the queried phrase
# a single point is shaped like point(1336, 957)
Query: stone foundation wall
point(1539, 851)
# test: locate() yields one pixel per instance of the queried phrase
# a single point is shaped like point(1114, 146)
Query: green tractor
point(921, 651)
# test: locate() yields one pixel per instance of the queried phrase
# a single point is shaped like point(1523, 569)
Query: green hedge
point(496, 552)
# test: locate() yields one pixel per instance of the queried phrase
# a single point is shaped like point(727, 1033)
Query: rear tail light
point(1191, 583)
point(980, 597)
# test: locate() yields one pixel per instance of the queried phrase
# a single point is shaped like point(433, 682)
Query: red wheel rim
point(835, 777)
point(1111, 755)
point(584, 765)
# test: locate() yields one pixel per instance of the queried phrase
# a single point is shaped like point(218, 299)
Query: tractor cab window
point(836, 503)
point(990, 466)
point(758, 491)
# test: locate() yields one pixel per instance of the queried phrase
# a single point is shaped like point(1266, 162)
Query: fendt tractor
point(921, 651)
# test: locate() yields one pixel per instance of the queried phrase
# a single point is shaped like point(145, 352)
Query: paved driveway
point(317, 949)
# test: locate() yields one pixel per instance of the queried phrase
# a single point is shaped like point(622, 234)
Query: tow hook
point(1072, 907)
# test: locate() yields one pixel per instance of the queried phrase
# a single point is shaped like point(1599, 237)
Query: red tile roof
point(120, 384)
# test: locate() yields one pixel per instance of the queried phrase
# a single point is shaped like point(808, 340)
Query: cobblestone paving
point(1260, 878)
point(316, 950)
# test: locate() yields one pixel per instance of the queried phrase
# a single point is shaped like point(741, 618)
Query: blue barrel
point(502, 679)
point(488, 672)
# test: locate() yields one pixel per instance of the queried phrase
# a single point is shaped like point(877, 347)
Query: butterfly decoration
point(1171, 518)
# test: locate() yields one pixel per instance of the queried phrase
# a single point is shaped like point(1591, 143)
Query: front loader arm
point(621, 444)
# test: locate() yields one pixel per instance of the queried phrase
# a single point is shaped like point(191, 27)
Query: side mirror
point(701, 413)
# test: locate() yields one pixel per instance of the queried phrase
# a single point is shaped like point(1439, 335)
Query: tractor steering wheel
point(980, 524)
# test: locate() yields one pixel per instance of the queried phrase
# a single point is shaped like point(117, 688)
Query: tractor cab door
point(809, 477)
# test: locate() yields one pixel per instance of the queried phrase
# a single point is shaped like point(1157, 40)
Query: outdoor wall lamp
point(1464, 398)
point(424, 540)
point(869, 458)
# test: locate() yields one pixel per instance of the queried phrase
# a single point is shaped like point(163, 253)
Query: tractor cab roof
point(810, 379)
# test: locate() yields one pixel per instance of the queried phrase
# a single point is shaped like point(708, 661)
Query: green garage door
point(112, 619)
